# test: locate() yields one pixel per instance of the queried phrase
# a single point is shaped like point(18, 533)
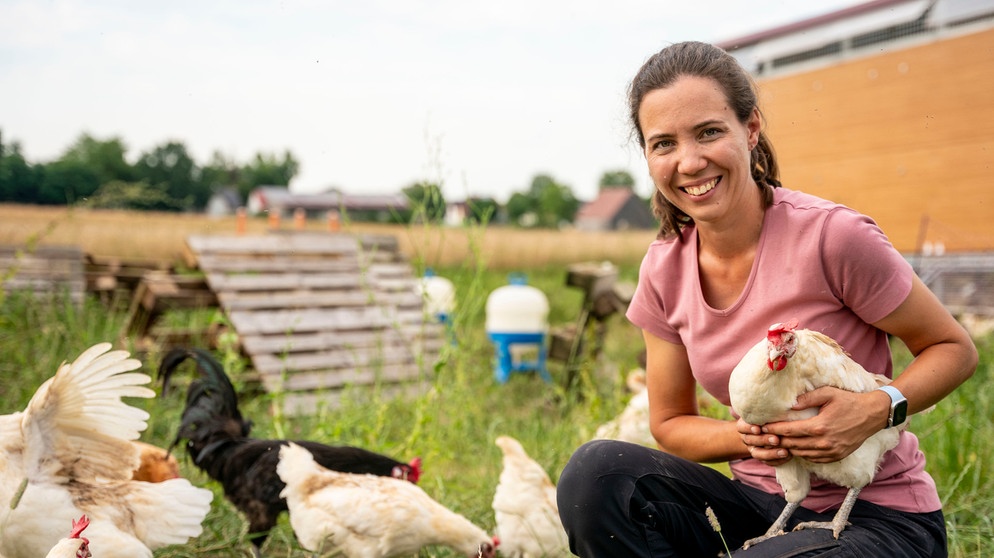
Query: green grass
point(957, 439)
point(453, 426)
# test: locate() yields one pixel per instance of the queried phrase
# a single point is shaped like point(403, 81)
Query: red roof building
point(616, 208)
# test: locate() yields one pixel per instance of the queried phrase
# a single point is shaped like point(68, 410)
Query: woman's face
point(696, 148)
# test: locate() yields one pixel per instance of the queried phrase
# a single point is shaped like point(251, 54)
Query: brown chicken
point(157, 464)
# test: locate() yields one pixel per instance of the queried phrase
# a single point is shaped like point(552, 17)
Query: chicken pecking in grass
point(525, 507)
point(368, 516)
point(218, 440)
point(70, 453)
point(763, 388)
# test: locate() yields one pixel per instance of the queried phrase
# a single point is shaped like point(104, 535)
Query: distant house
point(616, 208)
point(224, 201)
point(268, 199)
point(456, 213)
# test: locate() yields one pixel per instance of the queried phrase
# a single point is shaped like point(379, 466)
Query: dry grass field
point(452, 425)
point(139, 236)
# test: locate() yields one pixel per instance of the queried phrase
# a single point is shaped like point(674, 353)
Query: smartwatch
point(898, 406)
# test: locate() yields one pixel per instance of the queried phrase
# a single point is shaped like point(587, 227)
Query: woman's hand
point(764, 447)
point(844, 421)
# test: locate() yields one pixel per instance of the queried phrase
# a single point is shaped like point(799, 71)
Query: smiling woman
point(737, 252)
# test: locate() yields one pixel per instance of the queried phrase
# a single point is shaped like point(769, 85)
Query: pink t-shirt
point(824, 264)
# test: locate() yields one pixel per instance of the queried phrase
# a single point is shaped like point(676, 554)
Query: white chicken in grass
point(525, 507)
point(632, 424)
point(70, 453)
point(764, 386)
point(75, 545)
point(369, 516)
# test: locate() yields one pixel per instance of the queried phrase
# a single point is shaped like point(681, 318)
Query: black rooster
point(217, 438)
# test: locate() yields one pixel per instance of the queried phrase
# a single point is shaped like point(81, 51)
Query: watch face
point(899, 412)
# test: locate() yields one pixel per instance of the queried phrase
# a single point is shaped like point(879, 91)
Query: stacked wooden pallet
point(321, 314)
point(48, 270)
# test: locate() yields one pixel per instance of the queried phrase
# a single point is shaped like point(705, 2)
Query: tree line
point(96, 173)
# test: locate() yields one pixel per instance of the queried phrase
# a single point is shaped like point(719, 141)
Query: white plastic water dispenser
point(517, 324)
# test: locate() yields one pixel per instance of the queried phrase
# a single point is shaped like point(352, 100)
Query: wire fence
point(964, 282)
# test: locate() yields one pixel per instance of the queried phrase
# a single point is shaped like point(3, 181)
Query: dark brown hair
point(707, 61)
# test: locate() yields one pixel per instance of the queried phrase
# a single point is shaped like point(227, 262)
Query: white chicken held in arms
point(525, 507)
point(75, 545)
point(369, 516)
point(763, 388)
point(70, 453)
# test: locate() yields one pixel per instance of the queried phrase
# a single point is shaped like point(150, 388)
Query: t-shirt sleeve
point(866, 272)
point(646, 309)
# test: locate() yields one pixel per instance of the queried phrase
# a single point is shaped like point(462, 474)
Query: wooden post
point(240, 220)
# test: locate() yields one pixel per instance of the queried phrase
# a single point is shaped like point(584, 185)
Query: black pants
point(619, 499)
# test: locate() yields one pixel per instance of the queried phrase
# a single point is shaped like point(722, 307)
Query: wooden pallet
point(44, 270)
point(106, 277)
point(318, 313)
point(158, 292)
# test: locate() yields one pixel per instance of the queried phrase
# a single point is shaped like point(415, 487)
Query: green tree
point(105, 159)
point(614, 178)
point(66, 182)
point(520, 209)
point(546, 204)
point(19, 180)
point(267, 169)
point(222, 172)
point(170, 168)
point(554, 202)
point(482, 210)
point(427, 202)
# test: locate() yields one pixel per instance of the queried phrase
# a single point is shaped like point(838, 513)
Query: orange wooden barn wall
point(900, 136)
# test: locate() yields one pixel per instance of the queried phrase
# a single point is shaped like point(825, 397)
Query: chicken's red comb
point(781, 327)
point(78, 526)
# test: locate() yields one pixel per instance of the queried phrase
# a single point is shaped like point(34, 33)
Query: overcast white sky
point(369, 96)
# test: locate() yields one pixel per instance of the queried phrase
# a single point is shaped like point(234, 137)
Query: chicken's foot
point(841, 518)
point(777, 527)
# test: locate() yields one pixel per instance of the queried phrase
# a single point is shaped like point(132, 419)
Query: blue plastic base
point(505, 363)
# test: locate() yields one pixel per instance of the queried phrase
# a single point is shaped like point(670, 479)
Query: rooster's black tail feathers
point(211, 400)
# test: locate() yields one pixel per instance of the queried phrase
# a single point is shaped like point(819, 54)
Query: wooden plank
point(395, 270)
point(277, 281)
point(43, 270)
point(319, 341)
point(275, 244)
point(352, 357)
point(277, 263)
point(266, 300)
point(310, 319)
